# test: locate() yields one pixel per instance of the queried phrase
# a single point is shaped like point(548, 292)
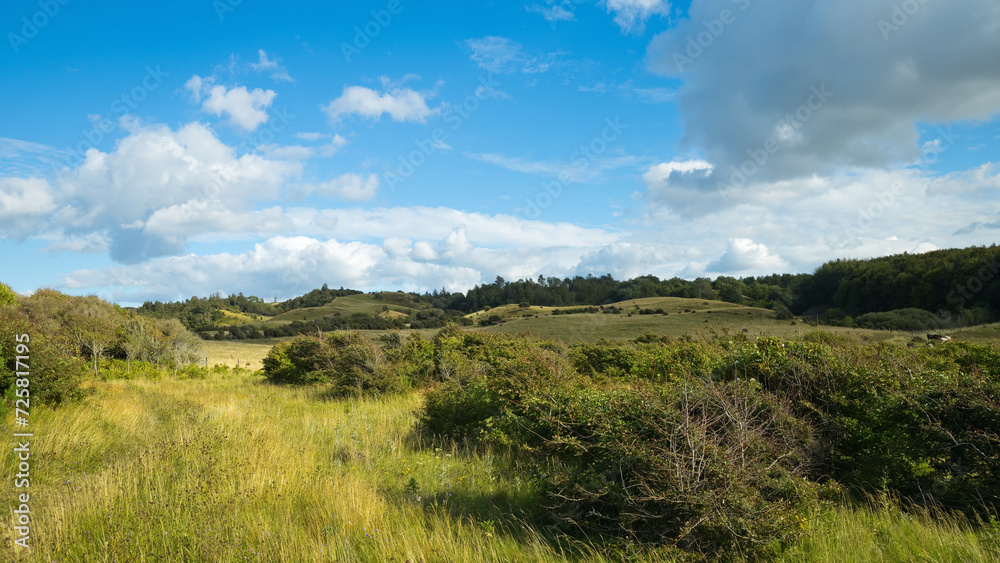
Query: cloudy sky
point(159, 150)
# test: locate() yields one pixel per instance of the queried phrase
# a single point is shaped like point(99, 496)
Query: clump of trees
point(71, 336)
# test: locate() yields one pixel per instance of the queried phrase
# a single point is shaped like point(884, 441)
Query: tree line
point(958, 287)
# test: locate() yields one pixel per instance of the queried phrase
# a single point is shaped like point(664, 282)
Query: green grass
point(230, 468)
point(882, 531)
point(361, 303)
point(684, 316)
point(234, 469)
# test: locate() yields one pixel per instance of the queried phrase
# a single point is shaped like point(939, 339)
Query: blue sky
point(160, 151)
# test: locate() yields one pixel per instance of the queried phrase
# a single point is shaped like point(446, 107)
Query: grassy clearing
point(229, 352)
point(683, 316)
point(231, 318)
point(231, 468)
point(234, 469)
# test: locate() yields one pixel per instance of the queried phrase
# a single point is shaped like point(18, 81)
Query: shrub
point(899, 319)
point(350, 362)
point(55, 373)
point(710, 467)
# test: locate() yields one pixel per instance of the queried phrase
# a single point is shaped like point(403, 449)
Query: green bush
point(55, 372)
point(350, 362)
point(706, 467)
point(717, 445)
point(900, 319)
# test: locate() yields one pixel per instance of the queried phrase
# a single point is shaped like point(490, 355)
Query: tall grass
point(881, 530)
point(229, 468)
point(233, 469)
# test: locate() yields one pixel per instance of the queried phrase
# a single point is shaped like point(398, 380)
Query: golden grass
point(234, 469)
point(234, 352)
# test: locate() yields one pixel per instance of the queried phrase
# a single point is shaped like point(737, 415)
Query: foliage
point(352, 363)
point(717, 445)
point(900, 319)
point(7, 296)
point(55, 373)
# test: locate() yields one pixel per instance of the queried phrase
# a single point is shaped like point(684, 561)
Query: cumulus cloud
point(822, 87)
point(22, 203)
point(632, 15)
point(402, 104)
point(745, 256)
point(155, 168)
point(246, 109)
point(24, 197)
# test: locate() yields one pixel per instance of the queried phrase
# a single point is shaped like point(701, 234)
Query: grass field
point(235, 353)
point(684, 316)
point(231, 468)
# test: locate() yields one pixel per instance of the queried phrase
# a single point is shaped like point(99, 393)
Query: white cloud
point(246, 109)
point(402, 104)
point(273, 66)
point(350, 187)
point(632, 15)
point(22, 201)
point(196, 85)
point(154, 168)
point(288, 266)
point(745, 256)
point(336, 142)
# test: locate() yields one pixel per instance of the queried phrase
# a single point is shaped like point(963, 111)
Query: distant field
point(683, 316)
point(245, 354)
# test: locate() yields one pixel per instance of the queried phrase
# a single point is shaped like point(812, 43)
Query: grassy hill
point(361, 303)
